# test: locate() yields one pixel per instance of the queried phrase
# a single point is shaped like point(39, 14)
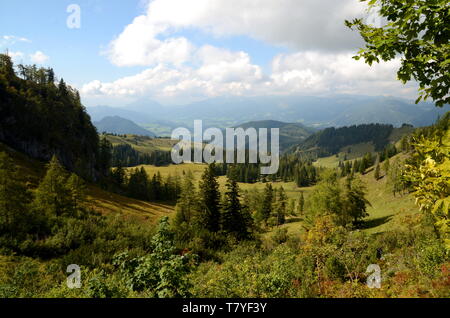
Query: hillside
point(121, 126)
point(143, 144)
point(332, 141)
point(32, 171)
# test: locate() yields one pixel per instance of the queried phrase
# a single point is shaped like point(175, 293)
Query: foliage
point(418, 31)
point(209, 214)
point(235, 218)
point(429, 173)
point(346, 205)
point(162, 273)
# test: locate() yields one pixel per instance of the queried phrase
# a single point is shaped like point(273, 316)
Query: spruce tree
point(386, 166)
point(266, 207)
point(301, 204)
point(233, 220)
point(77, 190)
point(377, 172)
point(291, 207)
point(187, 202)
point(53, 197)
point(281, 206)
point(14, 198)
point(209, 217)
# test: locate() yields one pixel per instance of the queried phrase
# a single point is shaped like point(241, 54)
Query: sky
point(178, 51)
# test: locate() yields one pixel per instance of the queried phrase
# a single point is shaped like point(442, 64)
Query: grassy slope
point(358, 150)
point(385, 210)
point(32, 171)
point(142, 143)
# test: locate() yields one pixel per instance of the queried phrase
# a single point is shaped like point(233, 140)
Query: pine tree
point(77, 190)
point(266, 207)
point(386, 166)
point(53, 197)
point(105, 156)
point(209, 217)
point(233, 220)
point(291, 207)
point(187, 202)
point(118, 176)
point(377, 172)
point(138, 186)
point(14, 198)
point(301, 204)
point(281, 206)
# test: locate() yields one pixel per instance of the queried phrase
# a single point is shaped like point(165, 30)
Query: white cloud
point(319, 72)
point(314, 30)
point(224, 66)
point(11, 39)
point(219, 72)
point(16, 56)
point(305, 24)
point(38, 57)
point(138, 45)
point(222, 72)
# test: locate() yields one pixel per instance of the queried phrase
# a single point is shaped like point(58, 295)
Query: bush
point(334, 269)
point(280, 236)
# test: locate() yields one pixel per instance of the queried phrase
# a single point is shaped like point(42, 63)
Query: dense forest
point(330, 140)
point(126, 156)
point(43, 119)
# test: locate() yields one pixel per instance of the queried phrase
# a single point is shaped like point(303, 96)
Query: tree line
point(43, 117)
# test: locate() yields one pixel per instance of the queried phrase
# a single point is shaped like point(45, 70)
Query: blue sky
point(183, 50)
point(73, 53)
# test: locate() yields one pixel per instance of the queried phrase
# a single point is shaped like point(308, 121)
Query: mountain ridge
point(121, 126)
point(318, 112)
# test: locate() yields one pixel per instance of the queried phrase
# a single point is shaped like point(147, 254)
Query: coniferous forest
point(358, 211)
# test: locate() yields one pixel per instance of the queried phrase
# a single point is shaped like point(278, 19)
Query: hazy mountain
point(290, 133)
point(319, 112)
point(99, 112)
point(121, 126)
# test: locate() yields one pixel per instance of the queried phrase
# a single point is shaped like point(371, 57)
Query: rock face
point(81, 159)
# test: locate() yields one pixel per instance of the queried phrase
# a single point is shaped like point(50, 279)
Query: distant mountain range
point(121, 126)
point(318, 112)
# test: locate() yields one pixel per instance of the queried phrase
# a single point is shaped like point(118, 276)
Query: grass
point(109, 203)
point(386, 209)
point(143, 144)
